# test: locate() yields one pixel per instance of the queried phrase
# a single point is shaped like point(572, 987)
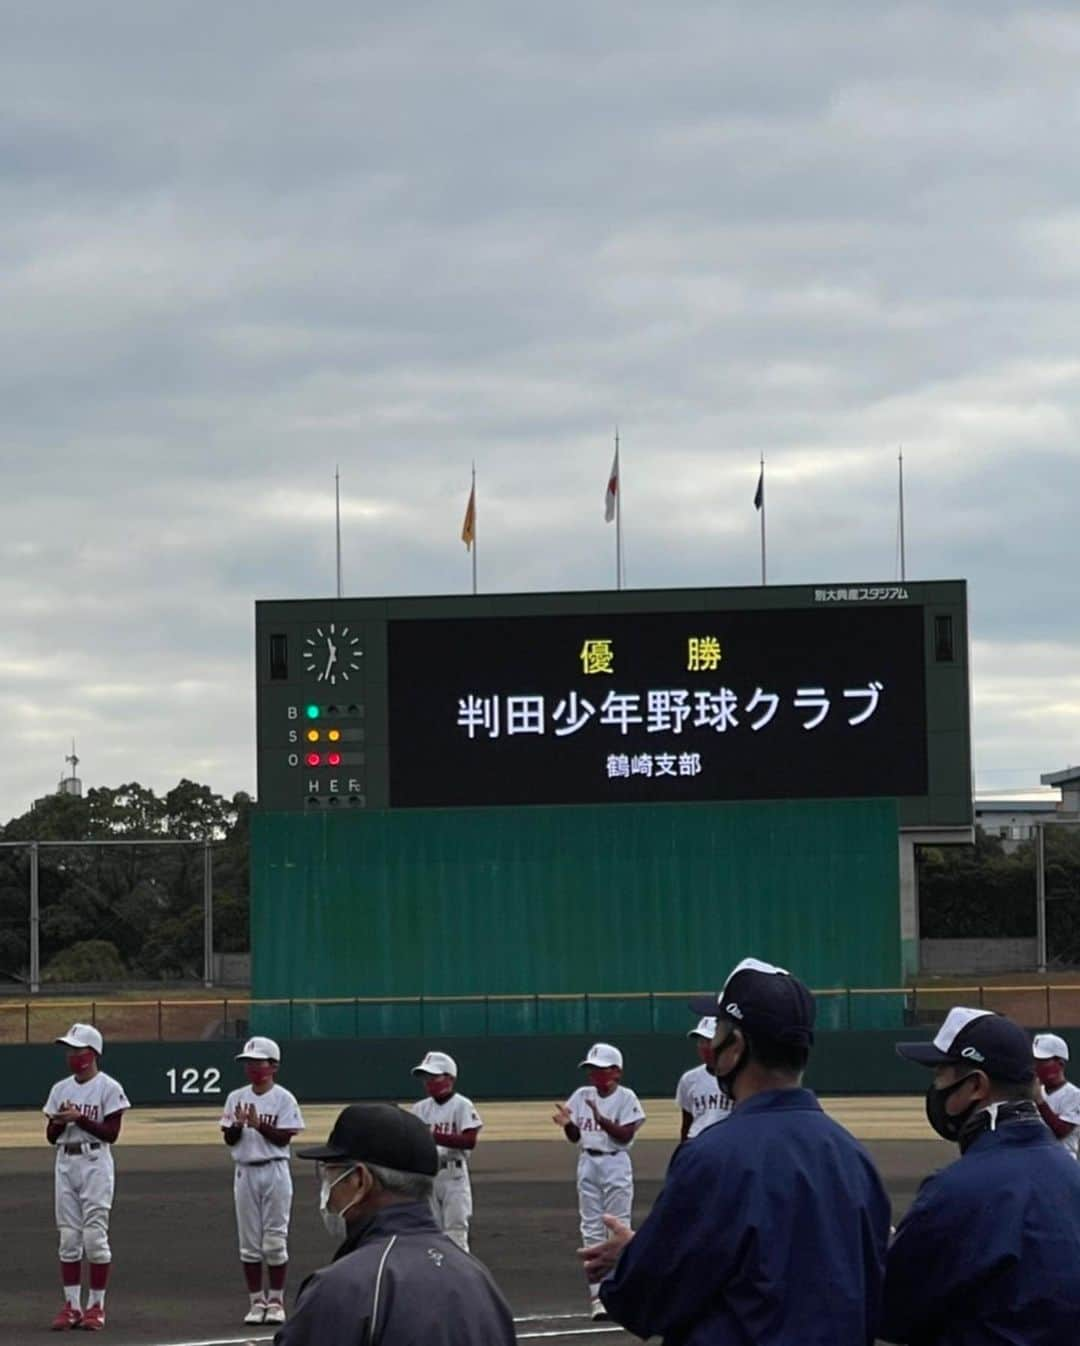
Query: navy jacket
point(990, 1250)
point(770, 1231)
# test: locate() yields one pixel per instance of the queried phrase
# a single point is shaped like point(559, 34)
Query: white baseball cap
point(436, 1063)
point(1048, 1045)
point(706, 1029)
point(83, 1035)
point(260, 1049)
point(602, 1055)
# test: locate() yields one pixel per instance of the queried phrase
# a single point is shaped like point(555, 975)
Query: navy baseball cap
point(766, 1000)
point(979, 1038)
point(378, 1133)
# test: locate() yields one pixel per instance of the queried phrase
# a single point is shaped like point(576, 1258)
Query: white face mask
point(334, 1220)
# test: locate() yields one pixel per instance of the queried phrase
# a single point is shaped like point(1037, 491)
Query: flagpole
point(475, 530)
point(618, 515)
point(763, 572)
point(337, 523)
point(903, 546)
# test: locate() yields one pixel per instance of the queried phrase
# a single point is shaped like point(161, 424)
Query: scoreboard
point(644, 696)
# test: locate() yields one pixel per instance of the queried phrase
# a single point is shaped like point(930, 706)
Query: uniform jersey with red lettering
point(700, 1095)
point(97, 1099)
point(277, 1108)
point(451, 1117)
point(621, 1106)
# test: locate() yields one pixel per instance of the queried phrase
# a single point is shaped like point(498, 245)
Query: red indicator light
point(334, 758)
point(312, 759)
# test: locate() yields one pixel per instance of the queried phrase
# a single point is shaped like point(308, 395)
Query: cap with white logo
point(260, 1049)
point(602, 1055)
point(436, 1063)
point(83, 1035)
point(1048, 1045)
point(977, 1038)
point(765, 1000)
point(706, 1029)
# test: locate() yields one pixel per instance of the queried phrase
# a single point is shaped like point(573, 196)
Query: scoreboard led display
point(657, 707)
point(610, 698)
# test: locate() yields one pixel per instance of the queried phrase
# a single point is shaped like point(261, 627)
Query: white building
point(1012, 814)
point(1068, 783)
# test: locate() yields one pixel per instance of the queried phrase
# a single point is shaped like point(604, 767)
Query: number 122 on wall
point(191, 1080)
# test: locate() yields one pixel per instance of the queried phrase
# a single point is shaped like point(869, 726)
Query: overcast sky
point(240, 244)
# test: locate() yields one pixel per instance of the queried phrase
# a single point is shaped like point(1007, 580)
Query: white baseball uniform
point(1065, 1101)
point(262, 1182)
point(85, 1176)
point(605, 1175)
point(700, 1095)
point(451, 1201)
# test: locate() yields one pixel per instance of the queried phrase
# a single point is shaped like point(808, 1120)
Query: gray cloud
point(237, 249)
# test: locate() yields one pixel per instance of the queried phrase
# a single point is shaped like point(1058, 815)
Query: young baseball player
point(699, 1095)
point(1058, 1100)
point(602, 1118)
point(84, 1113)
point(456, 1125)
point(258, 1123)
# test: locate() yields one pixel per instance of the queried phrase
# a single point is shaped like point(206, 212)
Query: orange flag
point(468, 528)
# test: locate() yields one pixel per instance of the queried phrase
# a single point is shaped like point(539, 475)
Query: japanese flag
point(611, 499)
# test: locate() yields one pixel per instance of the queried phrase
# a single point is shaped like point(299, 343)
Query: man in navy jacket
point(989, 1252)
point(770, 1229)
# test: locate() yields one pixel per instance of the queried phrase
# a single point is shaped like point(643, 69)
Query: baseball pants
point(451, 1204)
point(84, 1189)
point(605, 1185)
point(263, 1194)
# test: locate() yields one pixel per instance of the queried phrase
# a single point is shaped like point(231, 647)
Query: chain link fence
point(101, 911)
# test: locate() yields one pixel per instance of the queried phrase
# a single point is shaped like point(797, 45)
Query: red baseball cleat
point(93, 1320)
point(67, 1318)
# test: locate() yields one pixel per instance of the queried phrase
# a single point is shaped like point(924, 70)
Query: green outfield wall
point(202, 1073)
point(539, 900)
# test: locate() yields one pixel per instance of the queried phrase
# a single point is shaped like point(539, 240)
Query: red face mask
point(1050, 1072)
point(78, 1062)
point(602, 1078)
point(258, 1072)
point(439, 1086)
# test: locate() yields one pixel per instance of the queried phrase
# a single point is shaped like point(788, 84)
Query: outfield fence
point(608, 1013)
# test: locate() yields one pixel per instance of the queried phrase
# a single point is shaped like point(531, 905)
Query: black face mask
point(946, 1124)
point(727, 1082)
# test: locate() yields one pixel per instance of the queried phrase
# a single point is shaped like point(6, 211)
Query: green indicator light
point(313, 712)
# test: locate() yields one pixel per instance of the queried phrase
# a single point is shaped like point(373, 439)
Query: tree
point(193, 813)
point(980, 892)
point(128, 811)
point(968, 892)
point(145, 902)
point(54, 818)
point(90, 960)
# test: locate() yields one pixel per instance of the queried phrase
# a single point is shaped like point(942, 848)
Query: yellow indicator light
point(313, 736)
point(334, 735)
